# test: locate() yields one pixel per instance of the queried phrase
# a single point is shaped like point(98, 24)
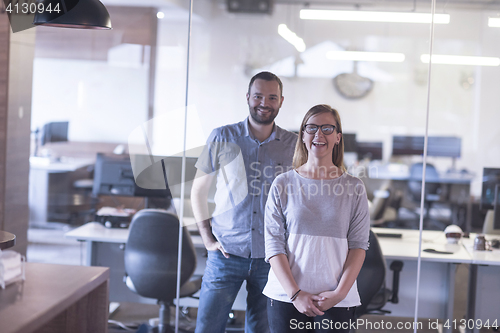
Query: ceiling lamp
point(494, 22)
point(366, 56)
point(79, 14)
point(363, 16)
point(250, 6)
point(460, 60)
point(291, 37)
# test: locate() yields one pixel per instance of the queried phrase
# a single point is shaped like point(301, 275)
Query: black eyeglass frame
point(319, 127)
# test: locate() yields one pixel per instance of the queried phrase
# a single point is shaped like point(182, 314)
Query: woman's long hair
point(301, 154)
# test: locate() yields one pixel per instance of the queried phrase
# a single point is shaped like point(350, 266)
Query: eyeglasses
point(325, 129)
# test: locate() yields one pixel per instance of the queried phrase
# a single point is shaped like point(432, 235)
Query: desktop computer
point(151, 177)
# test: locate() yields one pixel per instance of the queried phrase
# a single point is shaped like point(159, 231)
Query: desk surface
point(482, 257)
point(63, 165)
point(96, 232)
point(406, 247)
point(47, 292)
point(401, 172)
point(7, 240)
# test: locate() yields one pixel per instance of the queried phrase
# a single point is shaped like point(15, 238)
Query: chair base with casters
point(371, 281)
point(188, 289)
point(151, 261)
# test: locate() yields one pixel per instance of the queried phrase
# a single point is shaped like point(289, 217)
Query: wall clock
point(352, 85)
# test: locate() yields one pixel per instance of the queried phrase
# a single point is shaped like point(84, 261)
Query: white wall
point(105, 103)
point(225, 46)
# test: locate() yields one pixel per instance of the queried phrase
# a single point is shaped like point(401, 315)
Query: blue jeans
point(221, 282)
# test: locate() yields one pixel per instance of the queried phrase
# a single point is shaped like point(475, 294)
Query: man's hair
point(268, 76)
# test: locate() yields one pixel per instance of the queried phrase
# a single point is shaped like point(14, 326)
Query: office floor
point(49, 245)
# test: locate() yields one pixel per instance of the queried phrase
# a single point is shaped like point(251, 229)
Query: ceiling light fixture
point(364, 16)
point(79, 14)
point(460, 60)
point(365, 56)
point(291, 37)
point(494, 22)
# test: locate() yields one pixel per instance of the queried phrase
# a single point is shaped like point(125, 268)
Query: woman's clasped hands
point(305, 303)
point(313, 305)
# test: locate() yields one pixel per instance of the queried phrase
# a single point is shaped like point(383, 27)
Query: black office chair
point(151, 260)
point(432, 192)
point(371, 281)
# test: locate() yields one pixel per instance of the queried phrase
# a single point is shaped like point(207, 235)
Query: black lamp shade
point(79, 14)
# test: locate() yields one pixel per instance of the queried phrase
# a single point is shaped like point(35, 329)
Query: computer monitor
point(115, 175)
point(444, 146)
point(54, 132)
point(148, 172)
point(490, 193)
point(369, 150)
point(407, 145)
point(349, 142)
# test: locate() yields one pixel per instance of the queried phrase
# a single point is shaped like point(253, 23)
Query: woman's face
point(322, 142)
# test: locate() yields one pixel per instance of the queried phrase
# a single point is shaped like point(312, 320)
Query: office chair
point(432, 192)
point(380, 210)
point(151, 260)
point(385, 205)
point(371, 281)
point(488, 225)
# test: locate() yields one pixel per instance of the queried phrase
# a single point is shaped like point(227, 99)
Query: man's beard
point(263, 119)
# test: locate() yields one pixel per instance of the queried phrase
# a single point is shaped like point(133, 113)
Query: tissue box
point(11, 267)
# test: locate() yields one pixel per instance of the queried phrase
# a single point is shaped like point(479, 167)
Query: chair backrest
point(380, 204)
point(415, 181)
point(489, 223)
point(371, 278)
point(151, 254)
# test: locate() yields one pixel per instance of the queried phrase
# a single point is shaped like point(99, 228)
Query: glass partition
point(370, 72)
point(100, 86)
point(465, 68)
point(168, 81)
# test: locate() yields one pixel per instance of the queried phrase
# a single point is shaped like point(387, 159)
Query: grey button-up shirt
point(233, 154)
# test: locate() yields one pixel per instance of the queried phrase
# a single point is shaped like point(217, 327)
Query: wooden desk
point(56, 299)
point(7, 240)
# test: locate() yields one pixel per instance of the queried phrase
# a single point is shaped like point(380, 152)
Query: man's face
point(264, 101)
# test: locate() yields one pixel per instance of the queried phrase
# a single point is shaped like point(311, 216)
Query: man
point(256, 150)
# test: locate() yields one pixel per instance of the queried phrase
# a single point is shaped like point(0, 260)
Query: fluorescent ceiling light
point(494, 22)
point(362, 16)
point(160, 15)
point(366, 56)
point(291, 37)
point(460, 60)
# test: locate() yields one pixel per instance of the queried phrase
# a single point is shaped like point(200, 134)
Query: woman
point(316, 230)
